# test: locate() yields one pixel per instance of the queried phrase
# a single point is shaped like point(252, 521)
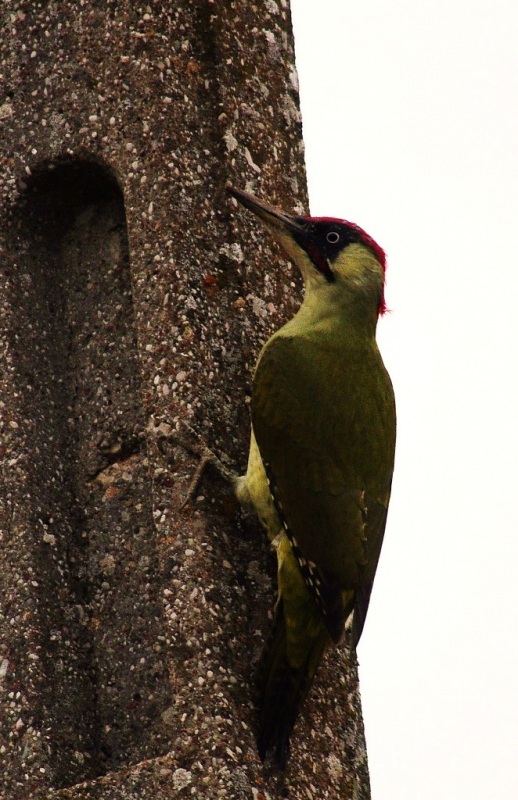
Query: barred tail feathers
point(289, 660)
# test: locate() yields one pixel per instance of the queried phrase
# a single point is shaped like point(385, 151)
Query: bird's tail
point(285, 673)
point(282, 687)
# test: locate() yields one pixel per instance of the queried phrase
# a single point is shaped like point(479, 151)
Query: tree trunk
point(135, 299)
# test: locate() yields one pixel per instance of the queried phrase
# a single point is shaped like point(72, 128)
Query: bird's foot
point(207, 458)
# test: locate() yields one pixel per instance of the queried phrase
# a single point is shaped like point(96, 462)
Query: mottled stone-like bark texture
point(134, 297)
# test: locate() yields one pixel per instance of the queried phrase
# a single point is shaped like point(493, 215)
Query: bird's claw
point(207, 457)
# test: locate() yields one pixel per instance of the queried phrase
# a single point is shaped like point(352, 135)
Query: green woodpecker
point(321, 456)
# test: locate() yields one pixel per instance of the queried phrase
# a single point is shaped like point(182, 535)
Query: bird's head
point(326, 250)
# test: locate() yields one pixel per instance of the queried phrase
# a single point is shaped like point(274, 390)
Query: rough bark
point(134, 298)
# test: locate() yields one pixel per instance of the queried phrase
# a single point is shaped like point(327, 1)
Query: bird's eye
point(333, 237)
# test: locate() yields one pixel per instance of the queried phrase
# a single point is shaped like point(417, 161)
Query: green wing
point(324, 420)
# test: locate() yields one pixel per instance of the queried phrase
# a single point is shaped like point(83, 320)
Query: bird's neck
point(353, 316)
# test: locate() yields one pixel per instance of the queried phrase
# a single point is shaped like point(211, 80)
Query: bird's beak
point(274, 218)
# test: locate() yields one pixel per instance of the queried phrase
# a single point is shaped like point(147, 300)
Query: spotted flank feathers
point(323, 587)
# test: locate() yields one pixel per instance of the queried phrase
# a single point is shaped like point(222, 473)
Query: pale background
point(410, 114)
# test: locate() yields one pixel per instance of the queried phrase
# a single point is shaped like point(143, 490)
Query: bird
point(321, 458)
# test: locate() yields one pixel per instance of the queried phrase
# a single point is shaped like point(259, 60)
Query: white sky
point(410, 117)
